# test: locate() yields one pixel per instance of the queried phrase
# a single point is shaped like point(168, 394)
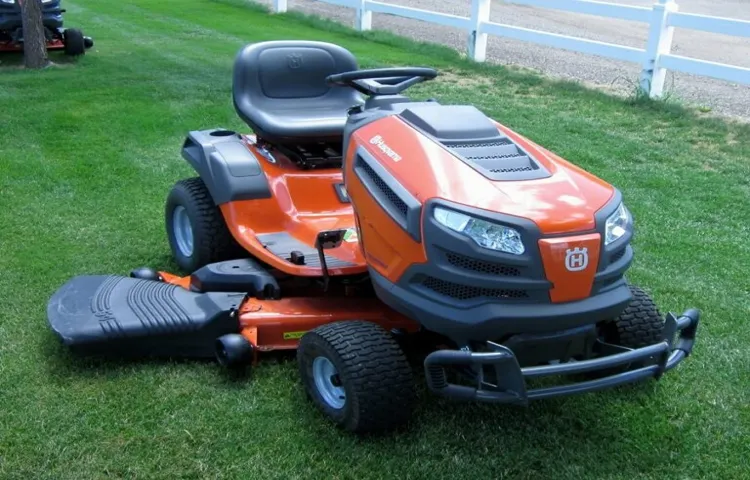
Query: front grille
point(608, 282)
point(617, 256)
point(468, 263)
point(385, 190)
point(466, 292)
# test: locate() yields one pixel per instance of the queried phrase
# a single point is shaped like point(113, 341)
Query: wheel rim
point(183, 231)
point(328, 383)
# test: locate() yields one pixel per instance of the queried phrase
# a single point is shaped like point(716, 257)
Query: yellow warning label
point(351, 235)
point(293, 335)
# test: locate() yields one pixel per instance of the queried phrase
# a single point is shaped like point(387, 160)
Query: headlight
point(486, 234)
point(618, 224)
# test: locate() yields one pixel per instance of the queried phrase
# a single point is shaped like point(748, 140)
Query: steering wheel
point(382, 81)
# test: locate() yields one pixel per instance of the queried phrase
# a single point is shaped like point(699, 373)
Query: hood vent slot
point(467, 133)
point(497, 143)
point(498, 160)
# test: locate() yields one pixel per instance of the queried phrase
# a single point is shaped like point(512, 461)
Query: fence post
point(279, 6)
point(659, 42)
point(480, 12)
point(364, 17)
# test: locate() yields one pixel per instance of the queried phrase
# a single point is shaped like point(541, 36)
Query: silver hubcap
point(183, 231)
point(327, 382)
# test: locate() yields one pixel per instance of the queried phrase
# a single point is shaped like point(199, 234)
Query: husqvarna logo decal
point(378, 141)
point(294, 60)
point(576, 259)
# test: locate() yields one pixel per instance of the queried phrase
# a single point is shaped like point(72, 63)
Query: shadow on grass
point(442, 431)
point(65, 365)
point(14, 60)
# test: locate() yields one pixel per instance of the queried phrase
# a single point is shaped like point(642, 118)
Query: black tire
point(212, 241)
point(639, 325)
point(74, 42)
point(372, 370)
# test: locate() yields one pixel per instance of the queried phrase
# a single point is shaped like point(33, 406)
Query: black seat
point(279, 90)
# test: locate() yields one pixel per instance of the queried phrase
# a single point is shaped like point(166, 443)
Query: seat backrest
point(287, 78)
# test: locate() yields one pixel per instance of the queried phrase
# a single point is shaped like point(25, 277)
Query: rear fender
point(230, 171)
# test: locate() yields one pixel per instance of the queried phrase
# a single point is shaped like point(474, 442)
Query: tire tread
point(213, 241)
point(377, 370)
point(640, 324)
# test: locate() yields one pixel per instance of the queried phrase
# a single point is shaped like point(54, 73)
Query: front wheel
point(639, 325)
point(357, 375)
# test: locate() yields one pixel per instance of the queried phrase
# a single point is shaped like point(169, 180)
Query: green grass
point(88, 151)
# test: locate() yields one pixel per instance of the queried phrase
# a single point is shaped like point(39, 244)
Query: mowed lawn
point(89, 150)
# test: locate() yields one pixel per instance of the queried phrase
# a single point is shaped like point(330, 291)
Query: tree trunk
point(34, 43)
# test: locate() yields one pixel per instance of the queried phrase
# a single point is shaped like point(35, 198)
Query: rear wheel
point(357, 375)
point(196, 229)
point(74, 42)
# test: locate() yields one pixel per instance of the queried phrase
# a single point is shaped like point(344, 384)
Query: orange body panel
point(183, 282)
point(570, 263)
point(279, 324)
point(304, 203)
point(562, 203)
point(390, 250)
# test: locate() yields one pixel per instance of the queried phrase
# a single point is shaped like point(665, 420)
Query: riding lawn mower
point(355, 224)
point(71, 40)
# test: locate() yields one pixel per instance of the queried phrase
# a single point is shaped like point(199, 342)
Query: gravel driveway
point(619, 77)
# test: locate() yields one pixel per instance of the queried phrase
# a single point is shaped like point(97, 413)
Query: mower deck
point(183, 316)
point(9, 46)
point(121, 315)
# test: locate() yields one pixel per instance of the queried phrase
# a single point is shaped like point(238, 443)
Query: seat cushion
point(285, 121)
point(295, 72)
point(279, 90)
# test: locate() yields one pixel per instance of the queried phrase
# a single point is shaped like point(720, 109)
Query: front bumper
point(507, 382)
point(496, 319)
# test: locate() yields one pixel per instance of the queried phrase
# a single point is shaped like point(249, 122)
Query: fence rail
point(655, 58)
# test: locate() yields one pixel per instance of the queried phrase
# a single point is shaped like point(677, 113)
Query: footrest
point(124, 316)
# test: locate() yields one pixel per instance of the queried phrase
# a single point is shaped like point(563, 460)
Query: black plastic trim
point(230, 171)
point(122, 316)
point(505, 381)
point(341, 193)
point(241, 275)
point(285, 246)
point(606, 266)
point(440, 241)
point(495, 318)
point(465, 131)
point(409, 219)
point(531, 279)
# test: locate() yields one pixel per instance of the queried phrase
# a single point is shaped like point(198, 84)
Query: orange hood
point(564, 202)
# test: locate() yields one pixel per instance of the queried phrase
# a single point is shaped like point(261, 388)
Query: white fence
point(655, 58)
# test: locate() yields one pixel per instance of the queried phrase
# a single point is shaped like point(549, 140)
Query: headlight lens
point(485, 234)
point(618, 224)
